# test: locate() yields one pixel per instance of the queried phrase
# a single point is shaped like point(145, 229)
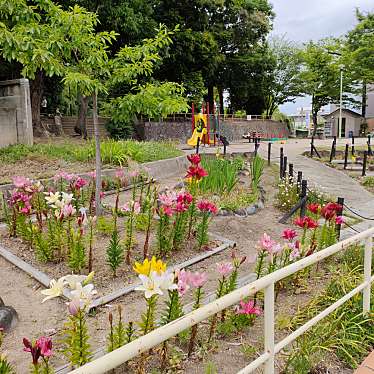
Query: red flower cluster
point(183, 201)
point(306, 223)
point(289, 234)
point(207, 206)
point(331, 211)
point(195, 159)
point(314, 208)
point(195, 171)
point(21, 202)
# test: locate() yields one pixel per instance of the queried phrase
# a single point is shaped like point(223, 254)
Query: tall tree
point(321, 76)
point(284, 84)
point(359, 53)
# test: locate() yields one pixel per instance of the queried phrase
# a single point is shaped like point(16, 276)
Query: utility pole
point(340, 104)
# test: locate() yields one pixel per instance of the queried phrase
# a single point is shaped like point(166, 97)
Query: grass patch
point(117, 153)
point(238, 199)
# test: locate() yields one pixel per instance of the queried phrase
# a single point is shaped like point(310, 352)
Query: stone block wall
point(15, 113)
point(233, 129)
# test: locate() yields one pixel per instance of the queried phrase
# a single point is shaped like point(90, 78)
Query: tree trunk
point(36, 93)
point(211, 98)
point(315, 118)
point(98, 155)
point(221, 107)
point(364, 99)
point(81, 124)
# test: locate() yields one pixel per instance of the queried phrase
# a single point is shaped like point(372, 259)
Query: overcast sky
point(304, 20)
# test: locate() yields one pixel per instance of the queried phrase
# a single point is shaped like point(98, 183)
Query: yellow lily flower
point(147, 266)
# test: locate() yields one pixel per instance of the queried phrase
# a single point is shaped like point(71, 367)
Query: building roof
point(345, 110)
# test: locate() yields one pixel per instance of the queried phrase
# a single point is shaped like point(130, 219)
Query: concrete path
point(327, 179)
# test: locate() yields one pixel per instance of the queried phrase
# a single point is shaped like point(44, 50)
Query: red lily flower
point(196, 172)
point(194, 159)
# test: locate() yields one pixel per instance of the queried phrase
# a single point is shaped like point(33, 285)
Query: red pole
point(207, 122)
point(214, 118)
point(193, 117)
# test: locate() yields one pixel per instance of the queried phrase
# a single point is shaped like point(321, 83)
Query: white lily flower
point(84, 293)
point(51, 198)
point(55, 289)
point(167, 282)
point(151, 285)
point(66, 197)
point(73, 279)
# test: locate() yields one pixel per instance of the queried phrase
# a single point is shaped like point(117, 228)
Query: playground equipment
point(200, 131)
point(203, 129)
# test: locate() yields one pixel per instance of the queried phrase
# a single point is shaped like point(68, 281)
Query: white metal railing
point(123, 354)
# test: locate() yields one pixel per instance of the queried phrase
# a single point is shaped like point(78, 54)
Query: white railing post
point(269, 327)
point(367, 273)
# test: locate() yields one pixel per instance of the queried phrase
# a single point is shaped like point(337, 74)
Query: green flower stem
point(202, 233)
point(149, 317)
point(129, 232)
point(198, 295)
point(213, 323)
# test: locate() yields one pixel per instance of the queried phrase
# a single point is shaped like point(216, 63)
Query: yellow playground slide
point(196, 135)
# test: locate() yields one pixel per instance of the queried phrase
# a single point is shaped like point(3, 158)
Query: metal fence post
point(299, 179)
point(290, 172)
point(364, 163)
point(197, 146)
point(304, 187)
point(353, 145)
point(339, 227)
point(312, 146)
point(269, 153)
point(284, 167)
point(346, 156)
point(269, 327)
point(367, 274)
point(281, 163)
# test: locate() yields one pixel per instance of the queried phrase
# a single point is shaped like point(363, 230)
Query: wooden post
point(340, 213)
point(257, 146)
point(312, 146)
point(281, 163)
point(334, 147)
point(346, 156)
point(269, 153)
point(353, 145)
point(364, 163)
point(304, 187)
point(284, 167)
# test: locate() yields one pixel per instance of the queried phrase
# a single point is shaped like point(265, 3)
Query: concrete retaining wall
point(15, 113)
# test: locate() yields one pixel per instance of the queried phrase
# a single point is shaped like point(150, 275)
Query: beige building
point(351, 123)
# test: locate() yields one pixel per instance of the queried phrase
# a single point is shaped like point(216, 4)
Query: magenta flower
point(168, 198)
point(289, 234)
point(339, 220)
point(248, 308)
point(207, 206)
point(45, 345)
point(34, 349)
point(183, 277)
point(64, 175)
point(181, 207)
point(198, 279)
point(266, 242)
point(80, 183)
point(194, 159)
point(224, 268)
point(119, 173)
point(184, 197)
point(167, 210)
point(21, 182)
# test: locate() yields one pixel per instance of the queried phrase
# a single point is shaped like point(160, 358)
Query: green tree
point(320, 75)
point(359, 52)
point(284, 84)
